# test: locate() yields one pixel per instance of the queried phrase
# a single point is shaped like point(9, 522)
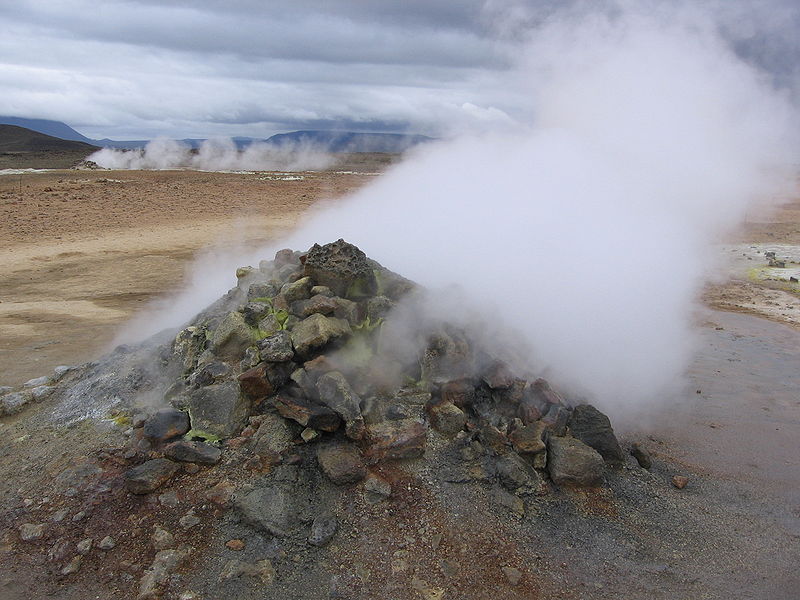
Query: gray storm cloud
point(588, 232)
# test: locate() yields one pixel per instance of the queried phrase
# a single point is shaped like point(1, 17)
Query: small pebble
point(107, 543)
point(679, 481)
point(73, 566)
point(235, 544)
point(84, 546)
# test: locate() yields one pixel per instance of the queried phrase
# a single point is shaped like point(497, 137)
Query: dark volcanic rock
point(316, 304)
point(277, 347)
point(335, 392)
point(323, 528)
point(641, 455)
point(308, 413)
point(528, 439)
point(343, 268)
point(314, 333)
point(267, 508)
point(149, 476)
point(517, 475)
point(165, 424)
point(254, 383)
point(593, 428)
point(342, 463)
point(396, 440)
point(211, 373)
point(571, 462)
point(446, 417)
point(193, 452)
point(218, 410)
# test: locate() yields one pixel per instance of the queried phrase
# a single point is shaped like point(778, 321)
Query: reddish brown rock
point(460, 392)
point(446, 417)
point(342, 463)
point(528, 439)
point(307, 413)
point(680, 482)
point(498, 376)
point(395, 440)
point(494, 440)
point(254, 383)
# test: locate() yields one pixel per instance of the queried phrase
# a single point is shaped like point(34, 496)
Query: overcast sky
point(141, 68)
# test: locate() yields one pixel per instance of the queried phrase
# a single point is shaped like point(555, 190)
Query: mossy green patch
point(203, 436)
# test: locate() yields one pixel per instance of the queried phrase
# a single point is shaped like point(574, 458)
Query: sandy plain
point(82, 251)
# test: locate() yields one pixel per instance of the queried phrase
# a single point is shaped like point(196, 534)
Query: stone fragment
point(193, 452)
point(218, 410)
point(236, 545)
point(73, 566)
point(397, 440)
point(323, 528)
point(165, 424)
point(232, 336)
point(680, 481)
point(255, 385)
point(460, 392)
point(189, 520)
point(84, 546)
point(220, 493)
point(528, 439)
point(276, 347)
point(556, 419)
point(593, 428)
point(641, 455)
point(149, 476)
point(32, 383)
point(164, 563)
point(376, 489)
point(308, 413)
point(295, 291)
point(261, 291)
point(323, 305)
point(211, 373)
point(343, 268)
point(571, 462)
point(41, 392)
point(316, 332)
point(309, 435)
point(13, 403)
point(498, 376)
point(446, 417)
point(335, 393)
point(510, 501)
point(161, 539)
point(342, 463)
point(29, 532)
point(268, 508)
point(107, 543)
point(253, 312)
point(517, 475)
point(494, 440)
point(378, 308)
point(261, 570)
point(321, 290)
point(273, 437)
point(513, 576)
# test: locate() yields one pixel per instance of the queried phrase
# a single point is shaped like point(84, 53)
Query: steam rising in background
point(590, 229)
point(217, 154)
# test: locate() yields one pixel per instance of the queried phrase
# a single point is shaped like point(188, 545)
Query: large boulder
point(317, 331)
point(335, 393)
point(276, 347)
point(571, 462)
point(343, 268)
point(218, 410)
point(593, 428)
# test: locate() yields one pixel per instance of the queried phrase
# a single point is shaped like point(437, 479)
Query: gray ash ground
point(349, 469)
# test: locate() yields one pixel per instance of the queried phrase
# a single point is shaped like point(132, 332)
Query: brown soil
point(81, 251)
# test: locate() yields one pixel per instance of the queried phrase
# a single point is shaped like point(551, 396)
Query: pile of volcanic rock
point(295, 369)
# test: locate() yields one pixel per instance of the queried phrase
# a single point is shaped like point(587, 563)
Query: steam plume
point(590, 230)
point(217, 154)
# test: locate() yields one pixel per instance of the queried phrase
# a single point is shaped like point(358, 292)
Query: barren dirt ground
point(80, 251)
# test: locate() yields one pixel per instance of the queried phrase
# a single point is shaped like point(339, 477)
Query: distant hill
point(327, 141)
point(53, 128)
point(22, 148)
point(349, 141)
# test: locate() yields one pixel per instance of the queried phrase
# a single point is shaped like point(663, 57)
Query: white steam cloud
point(590, 230)
point(216, 154)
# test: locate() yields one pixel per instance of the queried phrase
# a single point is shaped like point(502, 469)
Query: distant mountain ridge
point(324, 140)
point(15, 139)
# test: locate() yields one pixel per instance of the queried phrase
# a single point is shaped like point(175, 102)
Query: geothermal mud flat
point(290, 464)
point(427, 526)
